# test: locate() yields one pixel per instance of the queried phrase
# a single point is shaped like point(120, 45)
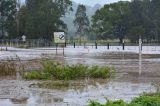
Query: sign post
point(59, 37)
point(140, 56)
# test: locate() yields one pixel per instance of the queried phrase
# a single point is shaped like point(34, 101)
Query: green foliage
point(150, 100)
point(55, 70)
point(81, 21)
point(108, 103)
point(114, 23)
point(147, 101)
point(40, 18)
point(128, 20)
point(8, 17)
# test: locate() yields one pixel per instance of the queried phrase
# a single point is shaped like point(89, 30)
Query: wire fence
point(33, 43)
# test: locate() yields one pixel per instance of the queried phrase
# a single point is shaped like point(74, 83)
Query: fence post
point(96, 45)
point(74, 44)
point(56, 48)
point(123, 45)
point(108, 46)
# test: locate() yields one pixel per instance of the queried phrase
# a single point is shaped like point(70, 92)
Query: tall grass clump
point(145, 100)
point(7, 68)
point(59, 71)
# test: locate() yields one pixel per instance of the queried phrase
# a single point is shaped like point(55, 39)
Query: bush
point(56, 70)
point(146, 101)
point(8, 68)
point(150, 100)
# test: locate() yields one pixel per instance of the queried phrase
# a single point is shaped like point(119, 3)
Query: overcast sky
point(93, 2)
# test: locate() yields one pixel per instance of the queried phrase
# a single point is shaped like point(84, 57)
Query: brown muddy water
point(126, 85)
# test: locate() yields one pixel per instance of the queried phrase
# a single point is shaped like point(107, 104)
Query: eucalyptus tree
point(81, 21)
point(111, 20)
point(8, 17)
point(155, 10)
point(43, 17)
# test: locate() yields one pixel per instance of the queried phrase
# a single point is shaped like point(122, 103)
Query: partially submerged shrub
point(150, 100)
point(7, 68)
point(153, 100)
point(56, 70)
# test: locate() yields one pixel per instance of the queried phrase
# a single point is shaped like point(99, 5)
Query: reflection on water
point(79, 97)
point(21, 101)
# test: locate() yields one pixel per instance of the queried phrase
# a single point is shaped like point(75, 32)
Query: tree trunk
point(120, 40)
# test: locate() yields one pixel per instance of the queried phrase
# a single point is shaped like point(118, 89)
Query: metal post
point(123, 45)
point(140, 56)
point(96, 45)
point(108, 46)
point(63, 51)
point(56, 48)
point(74, 44)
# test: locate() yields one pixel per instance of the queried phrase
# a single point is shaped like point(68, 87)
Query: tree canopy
point(81, 21)
point(40, 18)
point(128, 20)
point(8, 17)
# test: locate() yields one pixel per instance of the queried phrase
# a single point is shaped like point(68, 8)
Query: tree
point(22, 14)
point(8, 17)
point(128, 20)
point(81, 21)
point(155, 16)
point(111, 20)
point(40, 18)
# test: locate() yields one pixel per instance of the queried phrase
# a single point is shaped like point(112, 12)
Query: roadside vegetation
point(145, 100)
point(7, 68)
point(56, 70)
point(10, 66)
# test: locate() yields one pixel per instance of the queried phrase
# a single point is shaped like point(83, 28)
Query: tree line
point(120, 20)
point(128, 20)
point(35, 19)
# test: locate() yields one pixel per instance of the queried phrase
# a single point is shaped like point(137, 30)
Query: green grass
point(55, 70)
point(145, 100)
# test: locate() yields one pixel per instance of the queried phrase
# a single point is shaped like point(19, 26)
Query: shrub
point(150, 100)
point(8, 68)
point(56, 70)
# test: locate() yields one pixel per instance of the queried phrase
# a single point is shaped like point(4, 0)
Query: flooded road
point(126, 85)
point(113, 90)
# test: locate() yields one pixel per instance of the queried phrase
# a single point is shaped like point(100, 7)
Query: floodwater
point(126, 85)
point(78, 97)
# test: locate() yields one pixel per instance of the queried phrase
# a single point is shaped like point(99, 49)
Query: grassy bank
point(55, 70)
point(145, 100)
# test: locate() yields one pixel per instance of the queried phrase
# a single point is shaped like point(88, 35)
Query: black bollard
point(74, 44)
point(108, 46)
point(123, 45)
point(56, 48)
point(96, 45)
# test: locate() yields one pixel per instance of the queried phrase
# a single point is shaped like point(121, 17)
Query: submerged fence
point(94, 45)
